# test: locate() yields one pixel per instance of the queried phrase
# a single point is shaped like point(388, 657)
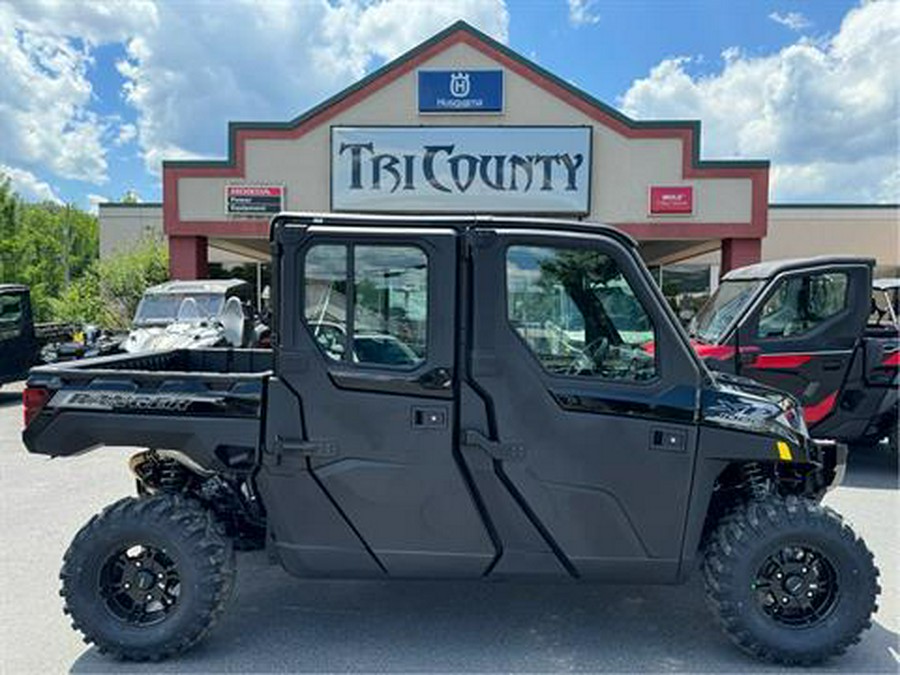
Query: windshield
point(163, 308)
point(721, 309)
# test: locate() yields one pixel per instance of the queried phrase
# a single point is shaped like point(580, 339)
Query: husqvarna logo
point(459, 85)
point(461, 90)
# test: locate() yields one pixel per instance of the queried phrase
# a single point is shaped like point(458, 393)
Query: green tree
point(131, 197)
point(8, 228)
point(53, 246)
point(107, 294)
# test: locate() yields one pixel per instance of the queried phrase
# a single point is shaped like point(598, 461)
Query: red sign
point(669, 201)
point(254, 199)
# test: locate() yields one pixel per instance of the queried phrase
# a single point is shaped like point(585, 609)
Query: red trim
point(814, 413)
point(715, 352)
point(260, 228)
point(780, 360)
point(759, 177)
point(892, 359)
point(739, 252)
point(188, 258)
point(252, 228)
point(687, 230)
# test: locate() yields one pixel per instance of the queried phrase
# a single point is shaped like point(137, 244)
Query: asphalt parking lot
point(281, 624)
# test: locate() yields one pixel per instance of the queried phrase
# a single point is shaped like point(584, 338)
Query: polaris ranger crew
point(817, 328)
point(453, 398)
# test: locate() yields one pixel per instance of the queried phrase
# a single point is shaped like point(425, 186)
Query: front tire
point(148, 578)
point(789, 582)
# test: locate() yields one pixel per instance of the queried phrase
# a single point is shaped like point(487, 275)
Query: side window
point(381, 297)
point(391, 305)
point(578, 314)
point(802, 303)
point(326, 304)
point(11, 307)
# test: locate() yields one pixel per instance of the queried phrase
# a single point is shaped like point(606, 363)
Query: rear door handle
point(832, 364)
point(669, 440)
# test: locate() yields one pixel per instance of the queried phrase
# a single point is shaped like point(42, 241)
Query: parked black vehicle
point(817, 328)
point(21, 340)
point(523, 434)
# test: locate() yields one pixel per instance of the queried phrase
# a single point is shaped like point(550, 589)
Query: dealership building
point(462, 124)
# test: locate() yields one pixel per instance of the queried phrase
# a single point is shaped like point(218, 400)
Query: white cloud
point(824, 112)
point(582, 12)
point(206, 63)
point(793, 20)
point(28, 186)
point(127, 133)
point(190, 68)
point(45, 93)
point(94, 21)
point(94, 202)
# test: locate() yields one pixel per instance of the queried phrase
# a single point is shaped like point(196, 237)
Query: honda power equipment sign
point(461, 169)
point(253, 200)
point(460, 91)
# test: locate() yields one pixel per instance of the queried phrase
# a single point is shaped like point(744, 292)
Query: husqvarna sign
point(460, 91)
point(462, 169)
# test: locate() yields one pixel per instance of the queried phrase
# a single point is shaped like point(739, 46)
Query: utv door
point(589, 429)
point(17, 344)
point(801, 335)
point(370, 484)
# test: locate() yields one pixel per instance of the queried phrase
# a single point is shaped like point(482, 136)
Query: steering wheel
point(585, 362)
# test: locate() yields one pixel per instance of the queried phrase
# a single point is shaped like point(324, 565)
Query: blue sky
point(98, 93)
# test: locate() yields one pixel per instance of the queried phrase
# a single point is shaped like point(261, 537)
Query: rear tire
point(789, 582)
point(148, 578)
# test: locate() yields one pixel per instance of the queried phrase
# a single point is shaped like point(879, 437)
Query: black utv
point(453, 398)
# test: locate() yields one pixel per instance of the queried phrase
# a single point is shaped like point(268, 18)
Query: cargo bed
point(206, 403)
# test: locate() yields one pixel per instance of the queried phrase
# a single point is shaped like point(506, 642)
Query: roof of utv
point(768, 269)
point(886, 284)
point(217, 286)
point(12, 288)
point(460, 222)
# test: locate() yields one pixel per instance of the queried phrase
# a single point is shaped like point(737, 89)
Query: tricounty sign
point(671, 201)
point(460, 91)
point(253, 200)
point(461, 169)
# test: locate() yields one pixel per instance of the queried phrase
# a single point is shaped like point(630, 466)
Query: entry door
point(592, 430)
point(801, 336)
point(373, 362)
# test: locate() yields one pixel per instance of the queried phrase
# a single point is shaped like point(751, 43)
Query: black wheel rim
point(796, 586)
point(140, 585)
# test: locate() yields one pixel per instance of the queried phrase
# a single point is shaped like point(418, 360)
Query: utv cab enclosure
point(816, 328)
point(459, 398)
point(21, 339)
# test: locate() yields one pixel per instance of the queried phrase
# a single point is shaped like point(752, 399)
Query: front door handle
point(832, 364)
point(436, 378)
